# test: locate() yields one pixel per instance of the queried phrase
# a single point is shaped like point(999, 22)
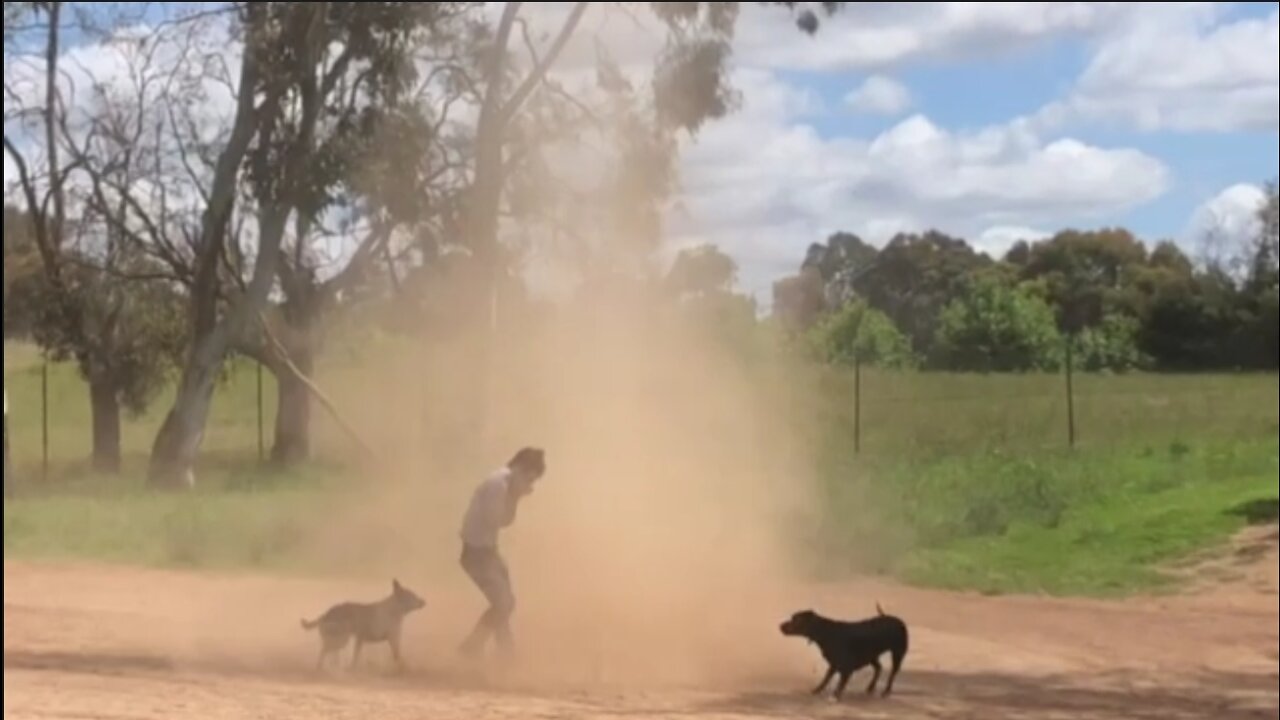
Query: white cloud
point(1181, 69)
point(199, 59)
point(996, 240)
point(861, 36)
point(1156, 66)
point(1223, 226)
point(762, 184)
point(794, 186)
point(879, 35)
point(124, 78)
point(880, 95)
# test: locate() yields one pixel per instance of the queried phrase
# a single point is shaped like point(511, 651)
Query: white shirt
point(492, 508)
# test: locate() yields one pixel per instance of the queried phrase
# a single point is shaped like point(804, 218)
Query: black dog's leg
point(320, 658)
point(875, 664)
point(893, 672)
point(844, 680)
point(831, 672)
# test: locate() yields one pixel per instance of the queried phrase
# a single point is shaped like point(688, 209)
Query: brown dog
point(366, 622)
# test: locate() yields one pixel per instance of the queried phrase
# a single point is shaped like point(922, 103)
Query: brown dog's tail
point(309, 624)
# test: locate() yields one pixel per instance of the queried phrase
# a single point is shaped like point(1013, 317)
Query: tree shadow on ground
point(993, 696)
point(1263, 511)
point(921, 694)
point(371, 672)
point(87, 663)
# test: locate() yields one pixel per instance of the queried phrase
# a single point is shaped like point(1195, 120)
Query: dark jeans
point(488, 571)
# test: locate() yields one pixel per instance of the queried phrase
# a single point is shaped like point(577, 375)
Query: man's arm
point(510, 501)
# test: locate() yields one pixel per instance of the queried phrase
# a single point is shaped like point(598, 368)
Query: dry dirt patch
point(106, 642)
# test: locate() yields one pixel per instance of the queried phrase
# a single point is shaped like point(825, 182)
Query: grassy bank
point(1094, 523)
point(961, 482)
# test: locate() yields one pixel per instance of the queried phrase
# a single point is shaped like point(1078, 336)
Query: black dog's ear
point(395, 584)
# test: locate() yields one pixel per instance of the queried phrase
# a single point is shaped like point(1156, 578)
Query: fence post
point(8, 464)
point(262, 445)
point(44, 420)
point(857, 406)
point(1071, 395)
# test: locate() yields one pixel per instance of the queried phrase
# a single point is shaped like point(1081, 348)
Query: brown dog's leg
point(355, 655)
point(394, 641)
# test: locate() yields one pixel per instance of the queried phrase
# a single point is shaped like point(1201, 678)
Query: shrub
point(859, 333)
point(997, 327)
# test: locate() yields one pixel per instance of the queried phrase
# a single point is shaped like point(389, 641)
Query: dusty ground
point(112, 643)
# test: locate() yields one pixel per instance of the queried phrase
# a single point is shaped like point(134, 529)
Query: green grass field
point(962, 481)
point(232, 432)
point(1102, 522)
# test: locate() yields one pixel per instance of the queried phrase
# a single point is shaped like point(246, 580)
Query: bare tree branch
point(540, 70)
point(279, 351)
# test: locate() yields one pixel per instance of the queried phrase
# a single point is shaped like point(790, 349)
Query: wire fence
point(48, 418)
point(47, 426)
point(949, 413)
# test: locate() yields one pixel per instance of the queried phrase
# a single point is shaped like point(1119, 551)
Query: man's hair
point(530, 459)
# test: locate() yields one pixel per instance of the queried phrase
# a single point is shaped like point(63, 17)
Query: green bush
point(1111, 345)
point(858, 332)
point(997, 327)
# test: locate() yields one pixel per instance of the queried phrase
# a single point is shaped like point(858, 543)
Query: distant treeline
point(931, 300)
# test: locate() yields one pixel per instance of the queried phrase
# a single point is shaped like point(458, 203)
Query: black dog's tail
point(879, 609)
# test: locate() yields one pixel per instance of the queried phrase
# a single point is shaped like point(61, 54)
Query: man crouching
point(493, 507)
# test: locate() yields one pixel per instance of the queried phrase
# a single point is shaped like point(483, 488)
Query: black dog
point(851, 646)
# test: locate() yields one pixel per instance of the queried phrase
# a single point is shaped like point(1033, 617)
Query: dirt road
point(112, 643)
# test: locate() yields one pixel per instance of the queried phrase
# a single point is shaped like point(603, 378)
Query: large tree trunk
point(105, 407)
point(173, 454)
point(484, 203)
point(484, 197)
point(174, 450)
point(291, 350)
point(293, 409)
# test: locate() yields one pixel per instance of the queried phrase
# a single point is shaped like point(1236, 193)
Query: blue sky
point(987, 91)
point(996, 121)
point(992, 121)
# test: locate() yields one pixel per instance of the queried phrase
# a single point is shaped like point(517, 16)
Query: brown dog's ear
point(395, 584)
